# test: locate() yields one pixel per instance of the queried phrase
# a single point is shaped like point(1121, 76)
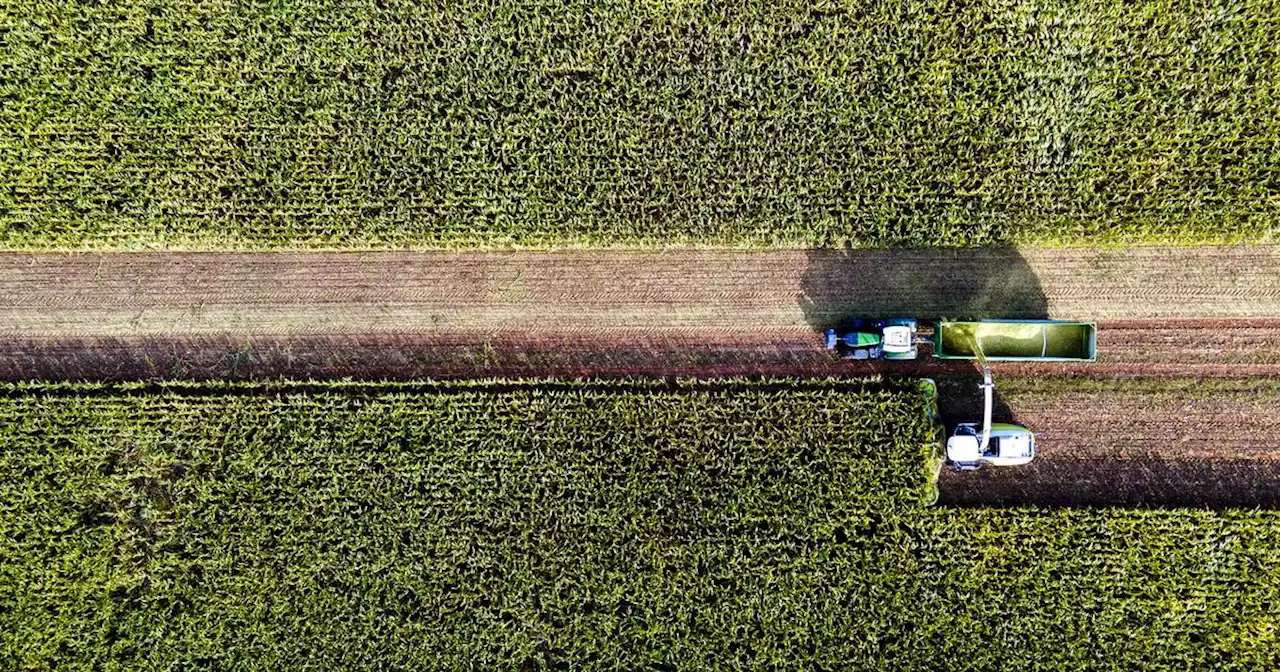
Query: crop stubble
point(176, 293)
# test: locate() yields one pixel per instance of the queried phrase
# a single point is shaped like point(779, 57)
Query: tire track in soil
point(1134, 349)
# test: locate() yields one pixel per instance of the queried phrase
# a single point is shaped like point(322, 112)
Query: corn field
point(215, 124)
point(502, 524)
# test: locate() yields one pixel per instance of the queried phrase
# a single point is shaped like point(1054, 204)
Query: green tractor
point(895, 338)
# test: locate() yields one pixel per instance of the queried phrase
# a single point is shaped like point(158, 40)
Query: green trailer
point(1017, 340)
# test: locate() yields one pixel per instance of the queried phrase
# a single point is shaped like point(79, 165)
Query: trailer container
point(1017, 340)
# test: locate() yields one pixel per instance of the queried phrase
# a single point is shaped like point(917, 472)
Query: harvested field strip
point(1159, 442)
point(155, 293)
point(1191, 341)
point(320, 124)
point(1131, 349)
point(505, 524)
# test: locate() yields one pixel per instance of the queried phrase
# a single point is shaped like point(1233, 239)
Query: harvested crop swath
point(217, 124)
point(502, 524)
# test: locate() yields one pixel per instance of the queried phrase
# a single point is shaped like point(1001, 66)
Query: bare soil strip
point(1131, 349)
point(133, 294)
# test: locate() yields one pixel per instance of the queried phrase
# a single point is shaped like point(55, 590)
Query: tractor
point(894, 339)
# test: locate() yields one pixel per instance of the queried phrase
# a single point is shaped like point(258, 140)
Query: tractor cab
point(875, 339)
point(900, 341)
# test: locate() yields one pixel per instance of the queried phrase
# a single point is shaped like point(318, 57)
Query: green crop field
point(480, 123)
point(625, 525)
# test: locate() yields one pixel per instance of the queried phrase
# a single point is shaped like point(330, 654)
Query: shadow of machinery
point(972, 283)
point(960, 400)
point(927, 284)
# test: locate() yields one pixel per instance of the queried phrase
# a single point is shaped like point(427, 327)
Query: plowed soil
point(1164, 314)
point(733, 292)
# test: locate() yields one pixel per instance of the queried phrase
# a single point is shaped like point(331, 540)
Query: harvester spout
point(988, 392)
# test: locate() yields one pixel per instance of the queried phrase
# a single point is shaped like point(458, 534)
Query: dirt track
point(135, 294)
point(1164, 313)
point(1128, 349)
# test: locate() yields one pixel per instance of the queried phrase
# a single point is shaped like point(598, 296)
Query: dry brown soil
point(148, 293)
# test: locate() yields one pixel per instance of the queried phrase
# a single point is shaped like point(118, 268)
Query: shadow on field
point(993, 283)
point(960, 400)
point(1148, 482)
point(974, 283)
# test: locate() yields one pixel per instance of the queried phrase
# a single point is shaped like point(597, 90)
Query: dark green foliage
point(502, 525)
point(183, 123)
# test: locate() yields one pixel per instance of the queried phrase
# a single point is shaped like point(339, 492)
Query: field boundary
point(280, 387)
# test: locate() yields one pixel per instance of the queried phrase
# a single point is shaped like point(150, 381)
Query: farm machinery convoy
point(972, 445)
